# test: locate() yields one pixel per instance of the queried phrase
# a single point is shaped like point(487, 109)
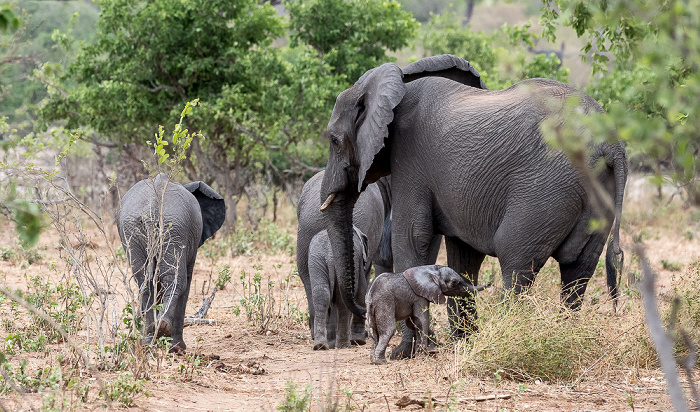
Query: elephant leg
point(135, 248)
point(462, 311)
point(323, 323)
point(332, 325)
point(358, 333)
point(175, 276)
point(420, 322)
point(383, 329)
point(178, 319)
point(528, 235)
point(575, 275)
point(303, 271)
point(342, 336)
point(411, 238)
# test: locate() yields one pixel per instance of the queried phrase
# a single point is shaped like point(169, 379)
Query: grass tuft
point(533, 337)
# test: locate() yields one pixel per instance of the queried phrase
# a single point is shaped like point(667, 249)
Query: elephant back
point(142, 205)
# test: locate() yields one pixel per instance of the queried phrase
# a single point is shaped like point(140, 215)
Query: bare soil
point(246, 367)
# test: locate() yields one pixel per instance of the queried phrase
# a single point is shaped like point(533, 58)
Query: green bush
point(124, 389)
point(296, 401)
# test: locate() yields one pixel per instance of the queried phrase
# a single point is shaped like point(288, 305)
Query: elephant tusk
point(327, 202)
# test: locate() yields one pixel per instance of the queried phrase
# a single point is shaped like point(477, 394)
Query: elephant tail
point(614, 257)
point(618, 158)
point(613, 269)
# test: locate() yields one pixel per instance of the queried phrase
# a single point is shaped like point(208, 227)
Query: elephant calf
point(161, 225)
point(406, 296)
point(332, 326)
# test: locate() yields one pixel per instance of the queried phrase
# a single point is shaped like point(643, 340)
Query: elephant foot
point(177, 346)
point(431, 349)
point(359, 338)
point(342, 344)
point(164, 329)
point(404, 350)
point(321, 346)
point(381, 361)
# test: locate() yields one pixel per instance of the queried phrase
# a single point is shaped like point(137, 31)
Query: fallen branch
point(199, 317)
point(196, 321)
point(493, 397)
point(407, 401)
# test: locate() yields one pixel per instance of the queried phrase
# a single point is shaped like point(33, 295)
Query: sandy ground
point(245, 367)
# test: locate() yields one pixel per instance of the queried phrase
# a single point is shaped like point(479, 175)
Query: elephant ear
point(381, 89)
point(444, 65)
point(424, 282)
point(212, 206)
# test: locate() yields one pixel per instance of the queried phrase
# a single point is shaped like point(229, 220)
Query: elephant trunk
point(470, 289)
point(340, 233)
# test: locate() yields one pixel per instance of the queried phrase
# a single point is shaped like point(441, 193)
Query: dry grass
point(535, 338)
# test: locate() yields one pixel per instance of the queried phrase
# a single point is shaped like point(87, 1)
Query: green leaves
point(8, 20)
point(351, 35)
point(645, 57)
point(181, 139)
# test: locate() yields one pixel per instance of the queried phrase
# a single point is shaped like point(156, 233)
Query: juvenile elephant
point(325, 290)
point(406, 296)
point(370, 212)
point(471, 164)
point(161, 225)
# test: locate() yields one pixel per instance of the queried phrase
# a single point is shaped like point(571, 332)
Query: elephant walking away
point(471, 164)
point(371, 210)
point(330, 311)
point(161, 225)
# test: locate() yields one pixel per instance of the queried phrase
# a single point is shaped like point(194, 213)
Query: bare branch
point(662, 342)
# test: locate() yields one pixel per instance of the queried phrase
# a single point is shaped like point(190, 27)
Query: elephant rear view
point(161, 225)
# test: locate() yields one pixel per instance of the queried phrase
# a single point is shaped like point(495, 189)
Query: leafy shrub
point(444, 34)
point(224, 277)
point(8, 253)
point(296, 401)
point(124, 389)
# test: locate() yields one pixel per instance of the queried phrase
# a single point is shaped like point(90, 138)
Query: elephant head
point(436, 282)
point(359, 134)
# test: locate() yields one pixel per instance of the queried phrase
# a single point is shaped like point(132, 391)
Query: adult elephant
point(161, 225)
point(371, 211)
point(470, 164)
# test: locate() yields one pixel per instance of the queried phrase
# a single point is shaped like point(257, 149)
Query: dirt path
point(224, 385)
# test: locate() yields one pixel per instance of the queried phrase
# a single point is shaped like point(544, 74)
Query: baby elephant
point(332, 326)
point(406, 296)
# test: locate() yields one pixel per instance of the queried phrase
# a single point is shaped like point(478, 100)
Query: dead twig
point(662, 342)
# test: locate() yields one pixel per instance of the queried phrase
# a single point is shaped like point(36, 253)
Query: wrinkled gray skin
point(329, 309)
point(406, 296)
point(371, 210)
point(163, 270)
point(471, 164)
